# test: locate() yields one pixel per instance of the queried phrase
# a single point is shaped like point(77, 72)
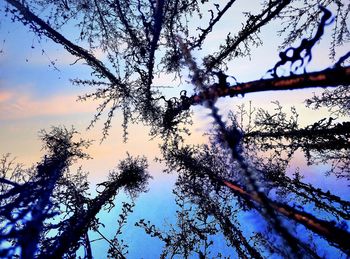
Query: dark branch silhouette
point(27, 208)
point(46, 211)
point(302, 53)
point(252, 26)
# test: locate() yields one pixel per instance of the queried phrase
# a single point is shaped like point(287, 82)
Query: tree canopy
point(241, 171)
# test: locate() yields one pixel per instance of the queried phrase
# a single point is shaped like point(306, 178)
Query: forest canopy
point(238, 194)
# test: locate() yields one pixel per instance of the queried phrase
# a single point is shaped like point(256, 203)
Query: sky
point(36, 95)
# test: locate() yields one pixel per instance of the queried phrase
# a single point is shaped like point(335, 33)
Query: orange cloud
point(4, 96)
point(17, 105)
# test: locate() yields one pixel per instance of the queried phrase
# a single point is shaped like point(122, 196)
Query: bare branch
point(326, 78)
point(324, 228)
point(41, 26)
point(212, 22)
point(252, 26)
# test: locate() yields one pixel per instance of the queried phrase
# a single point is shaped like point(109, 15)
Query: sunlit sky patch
point(35, 94)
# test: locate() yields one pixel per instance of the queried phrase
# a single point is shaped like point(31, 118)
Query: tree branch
point(324, 228)
point(212, 22)
point(79, 223)
point(122, 16)
point(158, 19)
point(326, 78)
point(6, 181)
point(40, 26)
point(337, 129)
point(110, 243)
point(252, 26)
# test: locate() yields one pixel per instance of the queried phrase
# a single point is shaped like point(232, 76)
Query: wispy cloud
point(18, 105)
point(5, 96)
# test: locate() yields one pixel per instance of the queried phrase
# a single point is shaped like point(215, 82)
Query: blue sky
point(35, 95)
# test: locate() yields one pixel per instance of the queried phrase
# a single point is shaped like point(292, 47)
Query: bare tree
point(30, 208)
point(142, 39)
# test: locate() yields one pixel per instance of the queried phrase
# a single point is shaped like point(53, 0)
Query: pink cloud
point(4, 96)
point(16, 105)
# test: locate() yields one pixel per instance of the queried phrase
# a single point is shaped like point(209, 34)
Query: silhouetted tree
point(133, 35)
point(217, 183)
point(42, 200)
point(206, 172)
point(337, 101)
